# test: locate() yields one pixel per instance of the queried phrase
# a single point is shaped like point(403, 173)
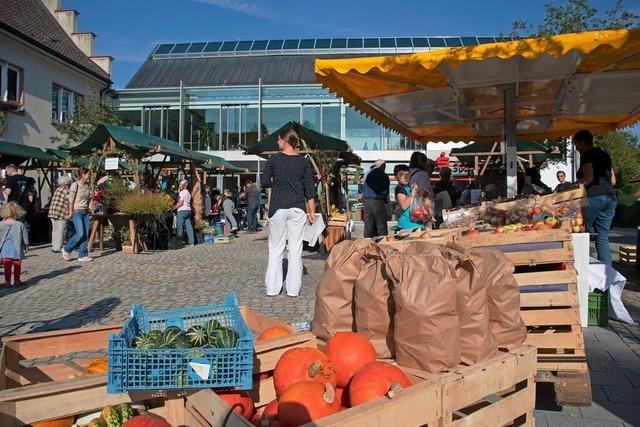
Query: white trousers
point(285, 225)
point(58, 228)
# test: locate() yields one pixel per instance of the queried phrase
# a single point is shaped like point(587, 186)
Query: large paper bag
point(334, 296)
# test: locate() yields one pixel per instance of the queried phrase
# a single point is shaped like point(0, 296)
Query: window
point(64, 103)
point(10, 82)
point(362, 133)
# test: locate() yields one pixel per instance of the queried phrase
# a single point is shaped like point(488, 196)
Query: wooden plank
point(516, 237)
point(214, 410)
point(175, 411)
point(263, 392)
point(562, 366)
point(549, 299)
point(550, 316)
point(546, 277)
point(267, 353)
point(573, 389)
point(258, 322)
point(556, 340)
point(501, 412)
point(550, 256)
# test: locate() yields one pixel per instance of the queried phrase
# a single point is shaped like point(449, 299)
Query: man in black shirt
point(596, 173)
point(376, 195)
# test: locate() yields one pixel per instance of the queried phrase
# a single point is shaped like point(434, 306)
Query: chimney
point(84, 41)
point(52, 5)
point(68, 20)
point(105, 62)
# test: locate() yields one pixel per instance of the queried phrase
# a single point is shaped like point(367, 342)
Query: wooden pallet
point(628, 255)
point(31, 385)
point(498, 392)
point(547, 278)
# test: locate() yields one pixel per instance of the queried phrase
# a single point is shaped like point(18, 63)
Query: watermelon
point(212, 325)
point(197, 335)
point(144, 342)
point(223, 338)
point(126, 411)
point(182, 341)
point(169, 336)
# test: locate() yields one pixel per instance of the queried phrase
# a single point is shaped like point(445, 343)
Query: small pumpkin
point(271, 333)
point(240, 403)
point(96, 366)
point(302, 364)
point(376, 379)
point(349, 351)
point(60, 422)
point(306, 401)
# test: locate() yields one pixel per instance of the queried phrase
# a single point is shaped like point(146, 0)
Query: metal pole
point(259, 125)
point(181, 120)
point(511, 150)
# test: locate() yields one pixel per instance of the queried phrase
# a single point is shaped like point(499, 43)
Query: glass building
point(221, 97)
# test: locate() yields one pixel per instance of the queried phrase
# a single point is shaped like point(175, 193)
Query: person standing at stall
point(58, 211)
point(420, 172)
point(252, 196)
point(596, 173)
point(79, 199)
point(376, 196)
point(183, 213)
point(290, 177)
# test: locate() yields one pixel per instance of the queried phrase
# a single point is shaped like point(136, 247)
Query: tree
point(624, 150)
point(576, 16)
point(89, 115)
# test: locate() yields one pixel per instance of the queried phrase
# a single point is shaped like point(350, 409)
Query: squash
point(376, 379)
point(240, 403)
point(302, 364)
point(60, 422)
point(306, 401)
point(197, 335)
point(342, 395)
point(271, 333)
point(348, 352)
point(223, 338)
point(96, 366)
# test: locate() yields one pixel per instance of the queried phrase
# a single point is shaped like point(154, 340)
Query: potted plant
point(11, 105)
point(127, 247)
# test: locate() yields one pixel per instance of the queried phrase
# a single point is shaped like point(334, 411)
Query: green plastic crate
point(598, 308)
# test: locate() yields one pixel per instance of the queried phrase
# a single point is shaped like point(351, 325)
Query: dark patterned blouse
point(291, 182)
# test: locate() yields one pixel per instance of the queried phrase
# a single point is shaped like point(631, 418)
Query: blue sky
point(129, 29)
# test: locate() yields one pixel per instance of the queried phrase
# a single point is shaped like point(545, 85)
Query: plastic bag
point(420, 210)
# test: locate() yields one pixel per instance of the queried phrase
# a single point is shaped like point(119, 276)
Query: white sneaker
point(85, 259)
point(66, 255)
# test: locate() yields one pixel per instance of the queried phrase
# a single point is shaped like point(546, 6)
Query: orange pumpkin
point(60, 422)
point(269, 416)
point(96, 366)
point(275, 332)
point(374, 380)
point(349, 351)
point(240, 402)
point(342, 395)
point(302, 364)
point(306, 401)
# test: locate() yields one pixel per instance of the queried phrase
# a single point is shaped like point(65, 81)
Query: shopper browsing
point(14, 242)
point(79, 198)
point(183, 212)
point(58, 212)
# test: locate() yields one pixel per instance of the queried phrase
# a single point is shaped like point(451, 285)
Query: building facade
point(221, 97)
point(47, 67)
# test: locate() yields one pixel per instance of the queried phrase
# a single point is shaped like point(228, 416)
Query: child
point(14, 242)
point(404, 196)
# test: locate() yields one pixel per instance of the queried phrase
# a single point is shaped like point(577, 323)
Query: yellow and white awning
point(562, 84)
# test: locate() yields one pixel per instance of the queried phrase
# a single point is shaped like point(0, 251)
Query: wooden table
point(97, 227)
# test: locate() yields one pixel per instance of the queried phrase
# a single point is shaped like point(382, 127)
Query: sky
point(129, 29)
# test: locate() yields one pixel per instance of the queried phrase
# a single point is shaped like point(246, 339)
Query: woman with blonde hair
point(290, 177)
point(14, 242)
point(79, 199)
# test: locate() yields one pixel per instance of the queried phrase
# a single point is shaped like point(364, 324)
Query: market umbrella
point(536, 88)
point(315, 141)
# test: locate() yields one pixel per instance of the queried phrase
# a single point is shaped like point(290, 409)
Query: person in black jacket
point(375, 194)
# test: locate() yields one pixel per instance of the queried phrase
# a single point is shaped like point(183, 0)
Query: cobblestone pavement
point(64, 294)
point(61, 294)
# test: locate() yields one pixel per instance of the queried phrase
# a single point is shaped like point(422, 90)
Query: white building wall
point(34, 126)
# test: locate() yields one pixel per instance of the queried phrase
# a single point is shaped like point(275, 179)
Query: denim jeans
point(183, 218)
point(252, 216)
point(80, 239)
point(598, 216)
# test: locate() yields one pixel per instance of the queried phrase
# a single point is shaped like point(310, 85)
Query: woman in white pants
point(58, 211)
point(290, 177)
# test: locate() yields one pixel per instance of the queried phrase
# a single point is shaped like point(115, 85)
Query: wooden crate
point(547, 278)
point(498, 392)
point(30, 394)
point(628, 255)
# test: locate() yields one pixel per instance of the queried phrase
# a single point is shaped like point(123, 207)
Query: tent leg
point(510, 139)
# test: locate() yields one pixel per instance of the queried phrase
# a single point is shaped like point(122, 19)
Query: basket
point(131, 368)
point(598, 308)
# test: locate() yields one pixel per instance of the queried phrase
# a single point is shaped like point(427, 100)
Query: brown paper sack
point(427, 330)
point(476, 341)
point(503, 297)
point(374, 303)
point(334, 296)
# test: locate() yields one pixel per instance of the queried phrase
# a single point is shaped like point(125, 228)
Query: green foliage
point(137, 203)
point(624, 150)
point(576, 16)
point(89, 115)
point(116, 189)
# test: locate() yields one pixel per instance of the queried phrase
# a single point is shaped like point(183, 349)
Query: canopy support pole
point(511, 150)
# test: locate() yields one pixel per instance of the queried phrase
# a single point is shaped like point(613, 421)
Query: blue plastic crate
point(131, 368)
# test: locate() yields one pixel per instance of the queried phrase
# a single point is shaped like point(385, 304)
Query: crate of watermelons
point(185, 348)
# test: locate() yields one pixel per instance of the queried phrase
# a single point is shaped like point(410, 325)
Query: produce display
point(172, 337)
point(116, 416)
point(275, 332)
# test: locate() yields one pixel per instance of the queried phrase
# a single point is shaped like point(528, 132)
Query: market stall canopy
point(131, 141)
point(214, 163)
point(11, 152)
point(526, 149)
point(315, 141)
point(562, 84)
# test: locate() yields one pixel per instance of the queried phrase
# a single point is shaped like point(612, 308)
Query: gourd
point(376, 379)
point(306, 401)
point(271, 333)
point(349, 351)
point(302, 364)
